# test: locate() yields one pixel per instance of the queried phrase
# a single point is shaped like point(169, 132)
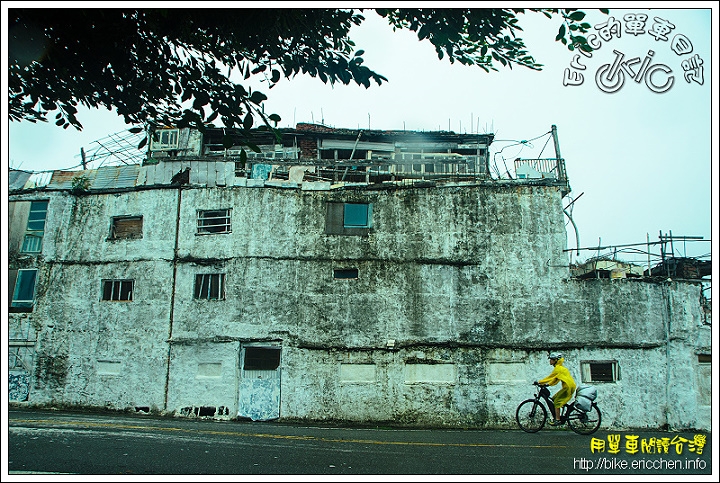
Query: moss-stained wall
point(460, 293)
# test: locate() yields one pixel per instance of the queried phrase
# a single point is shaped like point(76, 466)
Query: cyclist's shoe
point(555, 422)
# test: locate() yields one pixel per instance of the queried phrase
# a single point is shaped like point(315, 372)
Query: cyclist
point(561, 374)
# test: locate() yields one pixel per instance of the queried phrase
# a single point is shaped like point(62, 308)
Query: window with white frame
point(32, 242)
point(22, 288)
point(126, 228)
point(165, 139)
point(118, 290)
point(599, 371)
point(213, 221)
point(210, 286)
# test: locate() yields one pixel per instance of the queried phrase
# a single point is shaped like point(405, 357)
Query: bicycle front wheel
point(585, 423)
point(531, 416)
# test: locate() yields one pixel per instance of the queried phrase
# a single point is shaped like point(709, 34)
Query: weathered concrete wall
point(103, 353)
point(470, 282)
point(204, 374)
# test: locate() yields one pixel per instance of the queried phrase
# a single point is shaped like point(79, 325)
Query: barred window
point(117, 290)
point(213, 221)
point(599, 371)
point(210, 286)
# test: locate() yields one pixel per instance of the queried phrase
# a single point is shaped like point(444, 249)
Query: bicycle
point(531, 414)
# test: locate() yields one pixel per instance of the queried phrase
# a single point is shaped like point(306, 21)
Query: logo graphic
point(659, 78)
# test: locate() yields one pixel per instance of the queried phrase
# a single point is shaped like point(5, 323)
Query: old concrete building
point(336, 275)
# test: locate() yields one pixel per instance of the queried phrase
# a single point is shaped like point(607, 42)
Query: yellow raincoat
point(560, 374)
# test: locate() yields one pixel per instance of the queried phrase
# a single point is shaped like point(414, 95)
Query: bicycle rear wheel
point(531, 416)
point(585, 423)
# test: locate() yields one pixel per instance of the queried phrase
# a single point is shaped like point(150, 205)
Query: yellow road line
point(279, 436)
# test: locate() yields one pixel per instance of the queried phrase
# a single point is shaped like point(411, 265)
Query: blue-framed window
point(32, 242)
point(23, 297)
point(357, 215)
point(348, 218)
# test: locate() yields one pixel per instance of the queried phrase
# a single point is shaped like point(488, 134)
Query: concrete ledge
point(315, 185)
point(255, 183)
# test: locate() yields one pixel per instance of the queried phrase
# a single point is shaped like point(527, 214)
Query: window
point(356, 215)
point(345, 273)
point(210, 286)
point(703, 379)
point(261, 359)
point(165, 139)
point(22, 288)
point(32, 242)
point(117, 290)
point(348, 218)
point(213, 221)
point(126, 228)
point(599, 371)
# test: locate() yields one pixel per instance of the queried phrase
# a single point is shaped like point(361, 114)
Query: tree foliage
point(186, 67)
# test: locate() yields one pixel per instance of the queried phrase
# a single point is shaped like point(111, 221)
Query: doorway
point(259, 391)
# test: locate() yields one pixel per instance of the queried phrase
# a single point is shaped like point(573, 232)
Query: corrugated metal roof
point(115, 177)
point(17, 179)
point(63, 179)
point(101, 178)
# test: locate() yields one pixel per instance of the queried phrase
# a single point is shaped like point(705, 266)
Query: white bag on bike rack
point(584, 396)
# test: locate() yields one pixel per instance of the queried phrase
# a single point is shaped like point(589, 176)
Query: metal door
point(259, 397)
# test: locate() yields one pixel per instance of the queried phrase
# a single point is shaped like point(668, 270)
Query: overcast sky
point(639, 162)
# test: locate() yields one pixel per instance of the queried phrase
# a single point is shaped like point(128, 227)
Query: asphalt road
point(128, 444)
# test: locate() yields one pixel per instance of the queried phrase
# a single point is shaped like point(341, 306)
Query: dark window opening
point(261, 359)
point(704, 358)
point(210, 286)
point(345, 273)
point(602, 372)
point(118, 290)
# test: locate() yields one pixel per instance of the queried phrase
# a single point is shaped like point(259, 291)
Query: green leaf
point(275, 75)
point(248, 121)
point(577, 16)
point(274, 117)
point(143, 142)
point(561, 32)
point(257, 97)
point(136, 130)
